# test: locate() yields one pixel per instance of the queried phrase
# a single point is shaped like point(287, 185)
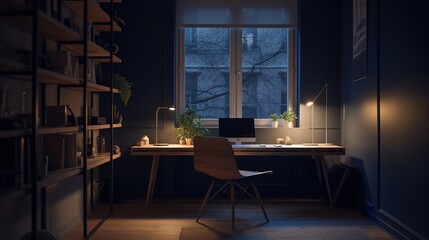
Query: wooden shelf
point(94, 51)
point(100, 160)
point(15, 133)
point(96, 88)
point(45, 76)
point(58, 176)
point(103, 126)
point(52, 130)
point(50, 77)
point(52, 29)
point(48, 27)
point(17, 67)
point(7, 65)
point(93, 87)
point(95, 13)
point(63, 174)
point(24, 188)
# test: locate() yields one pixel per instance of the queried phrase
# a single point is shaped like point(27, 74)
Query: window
point(229, 69)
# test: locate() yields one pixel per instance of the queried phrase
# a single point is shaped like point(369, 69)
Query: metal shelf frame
point(32, 16)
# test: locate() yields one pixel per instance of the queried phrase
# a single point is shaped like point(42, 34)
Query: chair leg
point(233, 203)
point(258, 197)
point(206, 198)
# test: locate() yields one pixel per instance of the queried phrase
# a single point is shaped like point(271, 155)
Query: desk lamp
point(172, 108)
point(311, 104)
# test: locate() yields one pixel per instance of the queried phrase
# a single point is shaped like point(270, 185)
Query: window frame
point(236, 76)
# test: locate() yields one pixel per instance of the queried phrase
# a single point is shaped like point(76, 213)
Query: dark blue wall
point(383, 118)
point(385, 115)
point(147, 49)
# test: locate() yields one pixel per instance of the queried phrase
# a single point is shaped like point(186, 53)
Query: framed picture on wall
point(360, 49)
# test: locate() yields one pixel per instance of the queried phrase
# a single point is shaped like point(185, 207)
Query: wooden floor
point(175, 219)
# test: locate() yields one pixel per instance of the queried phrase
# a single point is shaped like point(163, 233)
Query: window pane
point(207, 60)
point(264, 67)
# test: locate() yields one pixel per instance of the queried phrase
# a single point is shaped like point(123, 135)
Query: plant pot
point(288, 124)
point(188, 141)
point(182, 141)
point(275, 124)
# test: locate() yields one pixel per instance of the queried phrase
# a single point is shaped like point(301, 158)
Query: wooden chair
point(214, 156)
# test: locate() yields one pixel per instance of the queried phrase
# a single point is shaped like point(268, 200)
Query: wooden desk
point(317, 152)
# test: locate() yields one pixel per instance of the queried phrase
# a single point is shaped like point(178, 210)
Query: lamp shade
point(311, 104)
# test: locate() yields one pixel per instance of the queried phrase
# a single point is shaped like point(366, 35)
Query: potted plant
point(275, 117)
point(190, 125)
point(122, 84)
point(180, 135)
point(289, 117)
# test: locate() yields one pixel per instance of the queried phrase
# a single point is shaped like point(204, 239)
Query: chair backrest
point(214, 156)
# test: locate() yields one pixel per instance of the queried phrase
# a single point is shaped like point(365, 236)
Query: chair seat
point(246, 173)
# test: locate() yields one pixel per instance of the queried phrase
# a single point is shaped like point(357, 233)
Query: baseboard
point(390, 224)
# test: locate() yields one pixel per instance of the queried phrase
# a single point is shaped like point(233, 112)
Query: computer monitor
point(237, 130)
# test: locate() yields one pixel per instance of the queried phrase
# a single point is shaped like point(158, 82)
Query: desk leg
point(321, 160)
point(152, 178)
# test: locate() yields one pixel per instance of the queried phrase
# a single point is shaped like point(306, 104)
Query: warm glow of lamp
point(172, 108)
point(311, 104)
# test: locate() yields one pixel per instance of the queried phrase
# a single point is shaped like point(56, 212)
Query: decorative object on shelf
point(190, 125)
point(101, 144)
point(60, 61)
point(59, 151)
point(15, 110)
point(275, 120)
point(114, 47)
point(280, 141)
point(37, 149)
point(72, 24)
point(120, 83)
point(60, 116)
point(117, 116)
point(93, 120)
point(91, 150)
point(172, 108)
point(118, 19)
point(311, 105)
point(289, 117)
point(116, 149)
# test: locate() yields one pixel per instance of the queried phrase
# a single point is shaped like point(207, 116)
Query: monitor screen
point(237, 130)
